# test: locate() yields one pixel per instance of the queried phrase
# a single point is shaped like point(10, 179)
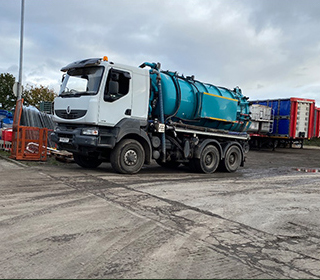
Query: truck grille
point(74, 114)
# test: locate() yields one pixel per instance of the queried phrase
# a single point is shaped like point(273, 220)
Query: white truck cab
point(99, 104)
point(99, 92)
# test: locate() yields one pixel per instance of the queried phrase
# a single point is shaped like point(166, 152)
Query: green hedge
point(312, 142)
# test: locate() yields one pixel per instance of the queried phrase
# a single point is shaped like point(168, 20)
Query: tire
point(86, 161)
point(168, 164)
point(246, 147)
point(232, 159)
point(127, 157)
point(208, 162)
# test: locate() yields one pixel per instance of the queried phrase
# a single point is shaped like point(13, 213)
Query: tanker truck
point(131, 116)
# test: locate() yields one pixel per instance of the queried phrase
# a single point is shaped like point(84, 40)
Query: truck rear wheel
point(232, 159)
point(86, 161)
point(127, 157)
point(208, 161)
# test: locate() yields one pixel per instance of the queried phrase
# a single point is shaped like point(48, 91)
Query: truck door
point(117, 97)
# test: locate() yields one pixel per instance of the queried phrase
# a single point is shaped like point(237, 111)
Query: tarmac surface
point(62, 221)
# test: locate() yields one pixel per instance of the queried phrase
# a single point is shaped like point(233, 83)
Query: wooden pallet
point(63, 156)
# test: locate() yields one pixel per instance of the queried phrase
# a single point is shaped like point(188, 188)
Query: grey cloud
point(247, 43)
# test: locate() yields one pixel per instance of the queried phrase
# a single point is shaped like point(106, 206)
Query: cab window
point(117, 86)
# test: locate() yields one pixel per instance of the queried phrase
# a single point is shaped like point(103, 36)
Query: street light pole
point(19, 91)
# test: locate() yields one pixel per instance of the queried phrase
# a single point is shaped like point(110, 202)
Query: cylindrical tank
point(197, 103)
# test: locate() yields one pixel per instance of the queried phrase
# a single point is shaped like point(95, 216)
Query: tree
point(35, 95)
point(7, 99)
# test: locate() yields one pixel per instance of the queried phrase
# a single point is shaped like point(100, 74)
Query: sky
point(269, 48)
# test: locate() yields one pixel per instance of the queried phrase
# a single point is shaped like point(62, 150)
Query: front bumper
point(74, 141)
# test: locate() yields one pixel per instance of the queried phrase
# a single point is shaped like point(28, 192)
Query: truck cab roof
point(100, 61)
point(82, 63)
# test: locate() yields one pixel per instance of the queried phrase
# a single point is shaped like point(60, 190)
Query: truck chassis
point(202, 149)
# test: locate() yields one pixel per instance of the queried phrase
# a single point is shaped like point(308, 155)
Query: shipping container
point(293, 121)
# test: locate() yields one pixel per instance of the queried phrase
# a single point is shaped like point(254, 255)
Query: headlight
point(90, 131)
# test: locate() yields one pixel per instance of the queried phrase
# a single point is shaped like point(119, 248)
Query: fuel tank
point(193, 102)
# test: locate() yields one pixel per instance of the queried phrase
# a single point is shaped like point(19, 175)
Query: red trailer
point(317, 122)
point(293, 121)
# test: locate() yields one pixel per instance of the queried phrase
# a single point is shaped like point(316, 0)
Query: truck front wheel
point(127, 157)
point(86, 161)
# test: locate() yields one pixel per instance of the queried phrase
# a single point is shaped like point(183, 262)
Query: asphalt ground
point(261, 222)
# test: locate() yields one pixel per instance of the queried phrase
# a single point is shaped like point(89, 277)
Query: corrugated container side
point(293, 117)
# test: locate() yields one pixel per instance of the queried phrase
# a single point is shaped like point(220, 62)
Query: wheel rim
point(232, 159)
point(130, 157)
point(209, 160)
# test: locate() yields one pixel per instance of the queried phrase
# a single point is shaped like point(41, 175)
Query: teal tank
point(197, 103)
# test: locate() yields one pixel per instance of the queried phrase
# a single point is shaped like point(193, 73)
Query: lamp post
point(19, 90)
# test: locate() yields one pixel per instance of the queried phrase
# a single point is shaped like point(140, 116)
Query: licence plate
point(64, 140)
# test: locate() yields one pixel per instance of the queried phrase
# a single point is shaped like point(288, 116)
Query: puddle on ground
point(313, 170)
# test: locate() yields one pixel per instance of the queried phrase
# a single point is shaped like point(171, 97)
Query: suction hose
point(163, 135)
point(155, 70)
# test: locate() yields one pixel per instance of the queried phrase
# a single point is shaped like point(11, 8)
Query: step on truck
point(131, 116)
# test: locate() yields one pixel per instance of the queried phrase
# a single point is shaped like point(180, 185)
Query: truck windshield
point(81, 81)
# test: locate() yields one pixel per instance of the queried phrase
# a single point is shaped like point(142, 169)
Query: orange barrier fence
point(28, 143)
